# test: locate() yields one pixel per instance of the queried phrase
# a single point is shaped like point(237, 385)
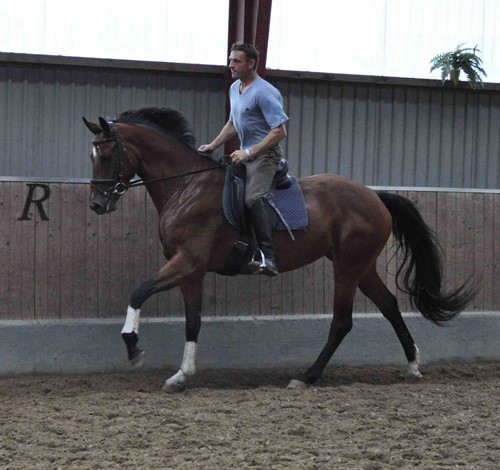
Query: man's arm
point(226, 134)
point(272, 139)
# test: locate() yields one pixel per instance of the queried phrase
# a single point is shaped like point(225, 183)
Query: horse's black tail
point(421, 267)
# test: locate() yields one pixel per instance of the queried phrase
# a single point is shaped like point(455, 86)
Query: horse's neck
point(164, 165)
point(164, 157)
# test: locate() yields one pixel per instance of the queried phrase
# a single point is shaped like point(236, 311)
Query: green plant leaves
point(461, 59)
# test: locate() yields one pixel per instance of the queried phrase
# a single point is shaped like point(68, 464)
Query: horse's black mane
point(164, 119)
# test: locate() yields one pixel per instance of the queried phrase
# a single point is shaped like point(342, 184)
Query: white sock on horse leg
point(132, 321)
point(413, 366)
point(188, 365)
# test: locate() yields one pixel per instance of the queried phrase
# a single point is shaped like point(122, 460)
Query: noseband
point(116, 183)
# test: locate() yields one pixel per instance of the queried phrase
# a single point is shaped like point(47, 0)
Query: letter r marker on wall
point(38, 202)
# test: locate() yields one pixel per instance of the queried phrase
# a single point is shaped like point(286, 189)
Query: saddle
point(285, 197)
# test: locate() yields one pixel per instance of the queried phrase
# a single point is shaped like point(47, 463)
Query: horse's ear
point(92, 126)
point(105, 126)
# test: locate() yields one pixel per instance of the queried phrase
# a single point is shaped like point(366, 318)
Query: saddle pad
point(290, 203)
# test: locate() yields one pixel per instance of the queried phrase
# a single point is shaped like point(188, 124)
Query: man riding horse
point(257, 117)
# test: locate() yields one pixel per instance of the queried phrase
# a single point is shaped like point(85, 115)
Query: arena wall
point(60, 260)
point(89, 346)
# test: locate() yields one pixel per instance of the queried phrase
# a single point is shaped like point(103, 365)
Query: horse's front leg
point(176, 271)
point(192, 293)
point(130, 330)
point(130, 334)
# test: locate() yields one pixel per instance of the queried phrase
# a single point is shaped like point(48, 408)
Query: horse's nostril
point(96, 207)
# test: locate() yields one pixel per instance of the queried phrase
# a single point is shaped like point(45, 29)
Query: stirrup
point(262, 267)
point(254, 264)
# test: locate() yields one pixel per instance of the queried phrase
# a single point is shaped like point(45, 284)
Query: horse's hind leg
point(373, 287)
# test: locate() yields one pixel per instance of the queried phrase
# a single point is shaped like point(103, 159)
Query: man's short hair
point(249, 50)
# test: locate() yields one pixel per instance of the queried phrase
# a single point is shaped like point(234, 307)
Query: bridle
point(117, 186)
point(116, 183)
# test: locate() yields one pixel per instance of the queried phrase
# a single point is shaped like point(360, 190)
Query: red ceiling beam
point(249, 21)
point(261, 39)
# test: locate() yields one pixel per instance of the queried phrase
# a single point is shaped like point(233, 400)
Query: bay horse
point(348, 223)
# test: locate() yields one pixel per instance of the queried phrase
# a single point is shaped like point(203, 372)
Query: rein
point(141, 182)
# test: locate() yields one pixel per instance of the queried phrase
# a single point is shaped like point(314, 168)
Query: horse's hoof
point(138, 361)
point(414, 376)
point(173, 387)
point(297, 385)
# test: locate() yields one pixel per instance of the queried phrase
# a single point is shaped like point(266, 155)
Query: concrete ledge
point(84, 346)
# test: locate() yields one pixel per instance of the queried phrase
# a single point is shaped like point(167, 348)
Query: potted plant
point(461, 59)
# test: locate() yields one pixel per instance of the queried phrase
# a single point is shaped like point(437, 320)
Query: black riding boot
point(263, 219)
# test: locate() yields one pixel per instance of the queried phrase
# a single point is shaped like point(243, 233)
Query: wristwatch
point(247, 151)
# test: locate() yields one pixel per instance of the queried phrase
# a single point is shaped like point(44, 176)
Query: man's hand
point(206, 148)
point(240, 156)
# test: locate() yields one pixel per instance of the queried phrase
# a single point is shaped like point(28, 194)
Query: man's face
point(239, 65)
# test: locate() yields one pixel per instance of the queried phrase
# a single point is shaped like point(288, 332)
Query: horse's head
point(112, 166)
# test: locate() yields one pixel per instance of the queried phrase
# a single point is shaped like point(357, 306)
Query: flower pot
point(455, 76)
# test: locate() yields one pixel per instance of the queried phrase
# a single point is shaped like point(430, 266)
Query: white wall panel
point(191, 31)
point(393, 38)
